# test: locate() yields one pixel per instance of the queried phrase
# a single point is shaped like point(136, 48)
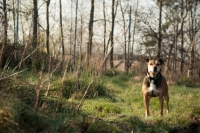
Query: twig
point(13, 74)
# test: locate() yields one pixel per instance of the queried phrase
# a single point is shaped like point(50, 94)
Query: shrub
point(73, 89)
point(68, 88)
point(110, 72)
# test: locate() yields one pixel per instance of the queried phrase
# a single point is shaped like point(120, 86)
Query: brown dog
point(155, 85)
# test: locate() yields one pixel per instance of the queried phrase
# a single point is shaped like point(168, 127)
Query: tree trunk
point(70, 49)
point(35, 22)
point(191, 63)
point(47, 25)
point(81, 42)
point(5, 23)
point(104, 35)
point(5, 36)
point(111, 35)
point(183, 16)
point(134, 27)
point(182, 40)
point(16, 36)
point(75, 33)
point(192, 40)
point(89, 48)
point(129, 41)
point(159, 30)
point(61, 31)
point(124, 28)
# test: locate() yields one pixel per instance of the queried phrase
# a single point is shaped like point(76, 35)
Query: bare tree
point(192, 37)
point(123, 11)
point(5, 34)
point(5, 23)
point(183, 16)
point(89, 47)
point(175, 16)
point(159, 36)
point(104, 35)
point(61, 31)
point(35, 22)
point(47, 25)
point(112, 34)
point(129, 40)
point(134, 28)
point(75, 33)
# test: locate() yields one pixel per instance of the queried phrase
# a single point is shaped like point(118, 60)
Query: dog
point(155, 85)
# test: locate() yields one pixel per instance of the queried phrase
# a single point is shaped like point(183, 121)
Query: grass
point(126, 96)
point(118, 107)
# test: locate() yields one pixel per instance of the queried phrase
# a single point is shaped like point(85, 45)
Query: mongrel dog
point(155, 85)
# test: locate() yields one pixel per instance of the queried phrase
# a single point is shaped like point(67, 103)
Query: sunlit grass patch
point(101, 107)
point(107, 108)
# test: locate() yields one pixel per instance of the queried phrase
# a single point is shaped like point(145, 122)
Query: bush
point(186, 81)
point(68, 88)
point(110, 72)
point(32, 121)
point(73, 89)
point(8, 111)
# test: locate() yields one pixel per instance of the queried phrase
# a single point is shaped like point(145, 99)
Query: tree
point(192, 36)
point(47, 25)
point(5, 32)
point(134, 27)
point(123, 11)
point(159, 36)
point(75, 33)
point(183, 16)
point(5, 23)
point(104, 35)
point(151, 38)
point(35, 23)
point(89, 47)
point(129, 41)
point(112, 34)
point(176, 13)
point(61, 31)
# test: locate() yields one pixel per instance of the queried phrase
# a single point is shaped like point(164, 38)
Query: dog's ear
point(161, 61)
point(148, 59)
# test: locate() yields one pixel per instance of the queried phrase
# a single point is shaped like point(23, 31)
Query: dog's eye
point(151, 64)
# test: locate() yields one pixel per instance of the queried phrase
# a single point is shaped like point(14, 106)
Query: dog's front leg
point(146, 104)
point(161, 105)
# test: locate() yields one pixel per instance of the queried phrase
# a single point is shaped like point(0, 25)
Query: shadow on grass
point(138, 125)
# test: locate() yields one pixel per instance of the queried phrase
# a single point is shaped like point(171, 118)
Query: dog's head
point(154, 66)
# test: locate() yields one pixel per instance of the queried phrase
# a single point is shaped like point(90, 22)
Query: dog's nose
point(155, 69)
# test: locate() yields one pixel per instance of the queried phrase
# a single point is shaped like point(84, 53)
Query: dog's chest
point(152, 89)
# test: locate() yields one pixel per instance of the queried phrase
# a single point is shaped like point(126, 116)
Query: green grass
point(126, 96)
point(117, 107)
